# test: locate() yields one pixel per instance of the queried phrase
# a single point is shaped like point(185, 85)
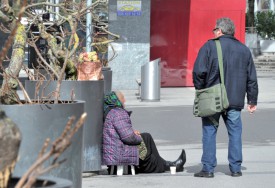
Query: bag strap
point(215, 122)
point(219, 51)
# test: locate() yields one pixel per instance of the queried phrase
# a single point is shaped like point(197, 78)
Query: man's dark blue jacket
point(239, 70)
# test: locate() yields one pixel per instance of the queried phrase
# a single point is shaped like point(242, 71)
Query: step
point(265, 70)
point(265, 66)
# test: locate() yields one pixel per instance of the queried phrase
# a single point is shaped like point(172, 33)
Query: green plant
point(53, 31)
point(265, 24)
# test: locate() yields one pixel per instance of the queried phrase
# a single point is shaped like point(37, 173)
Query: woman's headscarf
point(111, 101)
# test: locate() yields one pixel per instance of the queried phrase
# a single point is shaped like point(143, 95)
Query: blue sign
point(129, 8)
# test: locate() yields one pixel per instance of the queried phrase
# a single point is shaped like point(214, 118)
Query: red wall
point(180, 27)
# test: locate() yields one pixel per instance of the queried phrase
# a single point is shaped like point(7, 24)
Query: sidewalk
point(185, 95)
point(258, 143)
point(258, 171)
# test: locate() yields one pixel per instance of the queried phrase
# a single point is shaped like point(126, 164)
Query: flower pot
point(92, 93)
point(50, 183)
point(37, 122)
point(89, 71)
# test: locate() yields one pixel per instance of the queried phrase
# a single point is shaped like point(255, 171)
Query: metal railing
point(250, 30)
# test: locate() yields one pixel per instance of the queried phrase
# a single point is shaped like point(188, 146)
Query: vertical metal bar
point(89, 27)
point(272, 4)
point(51, 10)
point(57, 10)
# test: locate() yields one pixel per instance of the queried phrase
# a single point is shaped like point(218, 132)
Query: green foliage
point(265, 24)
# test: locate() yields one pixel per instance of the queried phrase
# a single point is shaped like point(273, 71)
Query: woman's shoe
point(180, 161)
point(179, 166)
point(168, 164)
point(183, 156)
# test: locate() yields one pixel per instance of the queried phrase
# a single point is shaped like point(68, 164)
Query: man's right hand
point(251, 108)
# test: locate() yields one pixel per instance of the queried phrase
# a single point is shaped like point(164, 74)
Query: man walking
point(240, 80)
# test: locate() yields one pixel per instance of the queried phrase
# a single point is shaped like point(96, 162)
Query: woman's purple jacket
point(119, 140)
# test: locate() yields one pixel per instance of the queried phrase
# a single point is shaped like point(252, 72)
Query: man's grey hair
point(226, 25)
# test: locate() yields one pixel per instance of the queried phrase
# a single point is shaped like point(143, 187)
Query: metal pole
point(89, 27)
point(272, 4)
point(51, 10)
point(57, 10)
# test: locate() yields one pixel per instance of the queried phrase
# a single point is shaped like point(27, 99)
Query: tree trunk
point(250, 14)
point(10, 138)
point(8, 93)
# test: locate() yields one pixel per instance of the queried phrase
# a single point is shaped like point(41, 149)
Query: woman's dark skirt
point(153, 163)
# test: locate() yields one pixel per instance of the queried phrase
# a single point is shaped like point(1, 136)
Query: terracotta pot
point(89, 71)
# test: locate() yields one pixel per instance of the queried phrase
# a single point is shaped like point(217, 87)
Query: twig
point(27, 98)
point(58, 147)
point(44, 61)
point(28, 72)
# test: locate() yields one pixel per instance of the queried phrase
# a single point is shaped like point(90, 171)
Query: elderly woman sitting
point(122, 145)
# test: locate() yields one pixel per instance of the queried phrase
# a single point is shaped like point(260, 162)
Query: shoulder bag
point(212, 100)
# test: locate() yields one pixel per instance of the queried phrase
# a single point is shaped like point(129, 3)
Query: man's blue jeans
point(233, 123)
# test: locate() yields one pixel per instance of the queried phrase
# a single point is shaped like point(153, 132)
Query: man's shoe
point(236, 174)
point(203, 174)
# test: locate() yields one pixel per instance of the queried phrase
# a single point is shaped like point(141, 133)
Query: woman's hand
point(137, 132)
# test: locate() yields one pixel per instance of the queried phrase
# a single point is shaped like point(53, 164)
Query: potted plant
point(70, 48)
point(30, 112)
point(47, 159)
point(44, 182)
point(40, 121)
point(58, 58)
point(265, 26)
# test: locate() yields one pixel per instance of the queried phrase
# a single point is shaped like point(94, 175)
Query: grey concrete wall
point(251, 41)
point(267, 46)
point(133, 47)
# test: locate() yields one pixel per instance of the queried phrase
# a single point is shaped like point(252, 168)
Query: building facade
point(172, 30)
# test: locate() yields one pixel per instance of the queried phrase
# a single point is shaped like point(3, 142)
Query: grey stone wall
point(251, 41)
point(133, 47)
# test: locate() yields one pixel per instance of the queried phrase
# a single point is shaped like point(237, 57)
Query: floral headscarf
point(111, 101)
